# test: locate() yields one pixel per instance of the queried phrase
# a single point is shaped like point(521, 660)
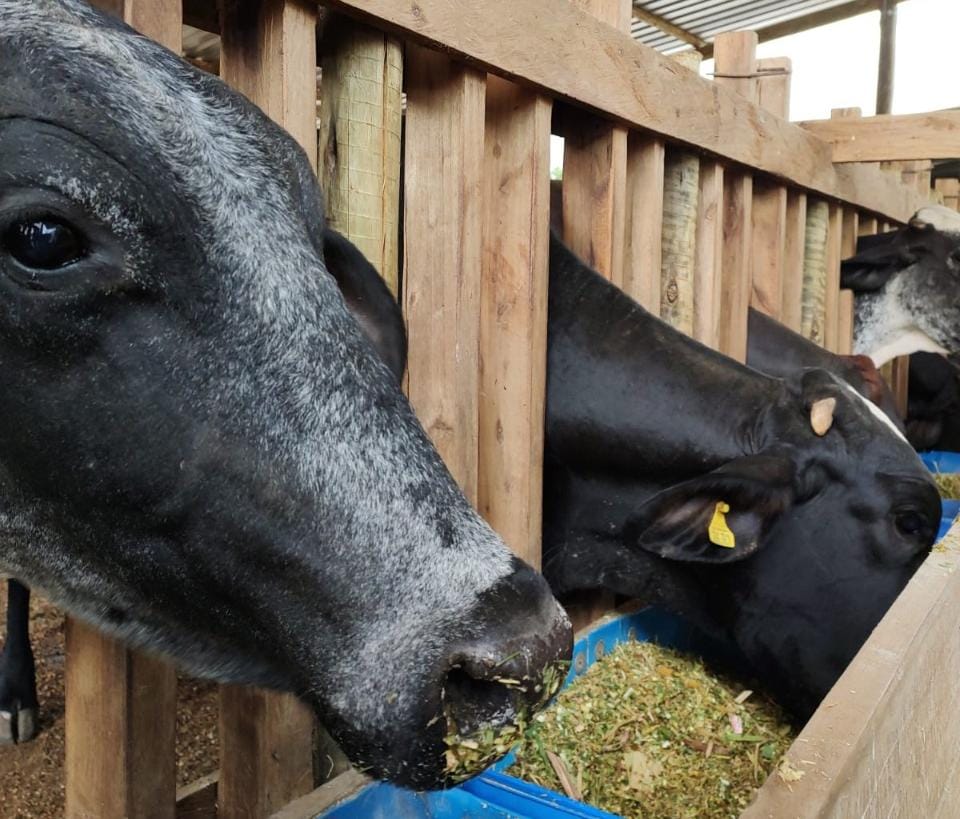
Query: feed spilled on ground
point(949, 484)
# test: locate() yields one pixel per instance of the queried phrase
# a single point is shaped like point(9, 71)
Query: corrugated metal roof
point(707, 18)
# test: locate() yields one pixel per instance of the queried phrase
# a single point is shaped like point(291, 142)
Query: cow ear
point(721, 517)
point(878, 259)
point(369, 300)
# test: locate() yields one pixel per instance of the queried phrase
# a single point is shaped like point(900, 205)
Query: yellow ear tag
point(721, 534)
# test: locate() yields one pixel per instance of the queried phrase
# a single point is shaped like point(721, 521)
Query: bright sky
point(835, 66)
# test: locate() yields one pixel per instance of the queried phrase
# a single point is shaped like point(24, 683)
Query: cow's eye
point(43, 244)
point(910, 523)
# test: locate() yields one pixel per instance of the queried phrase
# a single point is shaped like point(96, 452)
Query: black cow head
point(199, 450)
point(907, 285)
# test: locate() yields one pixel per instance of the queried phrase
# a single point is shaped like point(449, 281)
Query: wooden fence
point(696, 197)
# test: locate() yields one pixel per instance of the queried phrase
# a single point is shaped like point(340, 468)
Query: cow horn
point(821, 415)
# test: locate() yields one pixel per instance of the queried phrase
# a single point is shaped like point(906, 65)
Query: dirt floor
point(31, 775)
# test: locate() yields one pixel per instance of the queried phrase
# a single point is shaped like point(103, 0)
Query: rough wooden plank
point(160, 20)
point(848, 247)
point(769, 241)
point(324, 797)
point(708, 275)
point(198, 800)
point(359, 150)
point(831, 300)
point(442, 253)
point(268, 52)
point(606, 71)
point(933, 135)
point(644, 218)
point(899, 379)
point(681, 192)
point(773, 92)
point(735, 62)
point(513, 314)
point(867, 226)
point(120, 730)
point(884, 740)
point(795, 230)
point(737, 263)
point(950, 188)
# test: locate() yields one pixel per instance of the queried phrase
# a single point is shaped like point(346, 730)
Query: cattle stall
point(695, 196)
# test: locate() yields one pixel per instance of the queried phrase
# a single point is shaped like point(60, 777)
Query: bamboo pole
point(681, 184)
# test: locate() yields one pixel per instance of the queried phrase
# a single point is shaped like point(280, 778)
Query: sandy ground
point(31, 775)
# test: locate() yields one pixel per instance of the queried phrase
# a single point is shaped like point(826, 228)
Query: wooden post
point(268, 52)
point(888, 47)
point(644, 220)
point(681, 192)
point(444, 150)
point(360, 120)
point(708, 271)
point(950, 189)
point(866, 226)
point(774, 85)
point(736, 68)
point(121, 705)
point(795, 231)
point(899, 381)
point(594, 173)
point(815, 271)
point(513, 313)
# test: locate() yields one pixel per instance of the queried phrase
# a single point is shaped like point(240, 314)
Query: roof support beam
point(662, 23)
point(888, 48)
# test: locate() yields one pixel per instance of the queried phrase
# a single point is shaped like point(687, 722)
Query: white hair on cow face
point(939, 217)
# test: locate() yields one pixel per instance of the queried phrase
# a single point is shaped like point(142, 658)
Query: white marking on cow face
point(939, 217)
point(873, 408)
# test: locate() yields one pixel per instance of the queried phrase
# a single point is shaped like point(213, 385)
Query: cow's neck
point(627, 391)
point(884, 329)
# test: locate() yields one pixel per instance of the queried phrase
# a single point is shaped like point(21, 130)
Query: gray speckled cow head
point(907, 285)
point(199, 450)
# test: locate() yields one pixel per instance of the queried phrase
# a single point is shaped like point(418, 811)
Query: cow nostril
point(472, 704)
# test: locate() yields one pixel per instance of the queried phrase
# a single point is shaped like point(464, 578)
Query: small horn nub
point(821, 415)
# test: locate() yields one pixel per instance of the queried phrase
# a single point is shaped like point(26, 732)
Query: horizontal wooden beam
point(583, 61)
point(934, 135)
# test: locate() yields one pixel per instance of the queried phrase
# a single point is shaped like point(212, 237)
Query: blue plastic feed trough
point(497, 795)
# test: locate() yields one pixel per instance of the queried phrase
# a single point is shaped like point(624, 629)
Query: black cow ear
point(721, 517)
point(878, 258)
point(369, 300)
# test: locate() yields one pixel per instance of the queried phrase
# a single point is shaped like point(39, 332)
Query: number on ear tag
point(720, 534)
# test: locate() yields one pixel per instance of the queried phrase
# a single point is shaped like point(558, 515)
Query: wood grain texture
point(444, 152)
point(933, 135)
point(160, 20)
point(326, 796)
point(815, 272)
point(883, 742)
point(708, 269)
point(120, 730)
point(769, 241)
point(735, 63)
point(644, 219)
point(681, 192)
point(198, 800)
point(737, 263)
point(795, 231)
point(359, 153)
point(269, 54)
point(557, 48)
point(773, 85)
point(513, 314)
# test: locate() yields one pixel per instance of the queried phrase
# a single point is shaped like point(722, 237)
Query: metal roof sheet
point(704, 19)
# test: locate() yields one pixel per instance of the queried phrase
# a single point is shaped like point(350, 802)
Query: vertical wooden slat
point(848, 247)
point(268, 52)
point(644, 218)
point(121, 705)
point(899, 380)
point(513, 313)
point(795, 230)
point(444, 151)
point(773, 93)
point(594, 173)
point(735, 67)
point(831, 302)
point(866, 226)
point(708, 275)
point(769, 240)
point(681, 191)
point(360, 120)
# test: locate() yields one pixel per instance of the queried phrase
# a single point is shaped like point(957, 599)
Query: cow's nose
point(515, 661)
